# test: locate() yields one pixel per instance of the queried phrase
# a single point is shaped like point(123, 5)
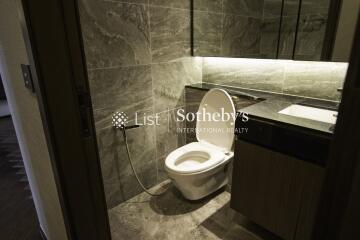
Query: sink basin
point(317, 114)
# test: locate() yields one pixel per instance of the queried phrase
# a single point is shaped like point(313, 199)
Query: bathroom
point(158, 58)
point(191, 119)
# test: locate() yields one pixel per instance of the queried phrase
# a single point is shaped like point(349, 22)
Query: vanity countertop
point(267, 106)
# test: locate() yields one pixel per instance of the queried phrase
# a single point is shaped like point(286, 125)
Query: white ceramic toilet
point(200, 168)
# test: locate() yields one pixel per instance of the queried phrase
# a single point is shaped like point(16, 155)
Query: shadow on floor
point(230, 225)
point(173, 203)
point(18, 218)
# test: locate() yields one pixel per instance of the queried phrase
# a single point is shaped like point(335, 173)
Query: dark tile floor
point(172, 217)
point(18, 220)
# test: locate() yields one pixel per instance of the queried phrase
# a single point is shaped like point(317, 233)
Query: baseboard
point(43, 236)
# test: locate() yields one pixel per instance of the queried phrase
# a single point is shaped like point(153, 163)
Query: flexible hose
point(133, 169)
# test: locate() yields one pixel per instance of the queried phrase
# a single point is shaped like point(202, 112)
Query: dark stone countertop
point(266, 105)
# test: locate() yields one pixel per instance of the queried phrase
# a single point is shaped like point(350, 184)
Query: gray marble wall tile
point(113, 89)
point(184, 4)
point(315, 7)
point(308, 79)
point(262, 75)
point(241, 36)
point(118, 36)
point(207, 33)
point(115, 34)
point(170, 33)
point(311, 35)
point(272, 8)
point(291, 8)
point(269, 37)
point(287, 38)
point(119, 181)
point(208, 5)
point(314, 79)
point(169, 80)
point(250, 8)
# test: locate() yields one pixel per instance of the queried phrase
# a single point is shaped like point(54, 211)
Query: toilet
point(200, 168)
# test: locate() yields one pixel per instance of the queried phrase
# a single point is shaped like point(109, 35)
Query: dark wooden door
point(53, 39)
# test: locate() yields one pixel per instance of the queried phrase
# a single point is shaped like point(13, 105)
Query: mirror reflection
point(270, 29)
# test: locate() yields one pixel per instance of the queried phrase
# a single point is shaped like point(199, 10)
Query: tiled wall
point(138, 56)
point(309, 79)
point(235, 28)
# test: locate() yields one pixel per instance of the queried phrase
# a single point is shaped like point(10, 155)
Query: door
point(51, 31)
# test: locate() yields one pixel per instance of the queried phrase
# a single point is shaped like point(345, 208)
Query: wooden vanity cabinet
point(276, 191)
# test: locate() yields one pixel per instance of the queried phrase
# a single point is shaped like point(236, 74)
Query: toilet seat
point(200, 168)
point(194, 157)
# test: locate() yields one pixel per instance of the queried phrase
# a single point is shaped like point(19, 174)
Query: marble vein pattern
point(182, 4)
point(272, 8)
point(287, 37)
point(170, 79)
point(310, 37)
point(207, 27)
point(249, 8)
point(314, 6)
point(316, 80)
point(119, 181)
point(208, 5)
point(240, 28)
point(269, 37)
point(267, 75)
point(291, 8)
point(241, 36)
point(172, 217)
point(170, 33)
point(115, 33)
point(113, 90)
point(300, 78)
point(137, 51)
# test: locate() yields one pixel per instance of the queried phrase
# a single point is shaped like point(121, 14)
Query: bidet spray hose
point(123, 128)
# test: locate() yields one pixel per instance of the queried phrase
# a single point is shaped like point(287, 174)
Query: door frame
point(337, 215)
point(52, 35)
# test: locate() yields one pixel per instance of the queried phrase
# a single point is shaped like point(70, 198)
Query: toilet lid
point(216, 119)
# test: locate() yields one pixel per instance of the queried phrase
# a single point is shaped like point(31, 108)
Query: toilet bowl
point(200, 168)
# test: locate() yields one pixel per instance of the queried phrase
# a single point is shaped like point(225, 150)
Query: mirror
point(271, 29)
